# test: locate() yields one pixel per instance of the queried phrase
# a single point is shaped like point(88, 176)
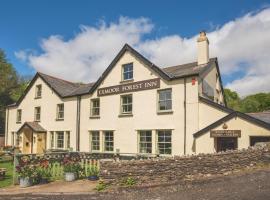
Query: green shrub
point(129, 181)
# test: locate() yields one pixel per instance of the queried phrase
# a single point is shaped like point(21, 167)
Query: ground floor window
point(164, 142)
point(145, 141)
point(226, 143)
point(59, 139)
point(95, 141)
point(257, 139)
point(108, 140)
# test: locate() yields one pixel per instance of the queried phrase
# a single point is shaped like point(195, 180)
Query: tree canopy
point(252, 103)
point(11, 86)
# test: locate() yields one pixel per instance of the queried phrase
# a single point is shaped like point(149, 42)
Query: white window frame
point(145, 142)
point(128, 72)
point(57, 139)
point(38, 91)
point(93, 107)
point(164, 100)
point(37, 119)
point(157, 141)
point(96, 141)
point(59, 112)
point(126, 104)
point(110, 141)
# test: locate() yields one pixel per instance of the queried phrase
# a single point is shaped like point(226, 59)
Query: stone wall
point(163, 170)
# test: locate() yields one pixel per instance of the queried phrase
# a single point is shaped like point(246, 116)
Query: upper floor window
point(19, 116)
point(127, 71)
point(165, 100)
point(38, 91)
point(95, 108)
point(60, 111)
point(37, 113)
point(126, 104)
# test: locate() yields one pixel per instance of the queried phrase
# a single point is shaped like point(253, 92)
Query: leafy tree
point(251, 103)
point(11, 87)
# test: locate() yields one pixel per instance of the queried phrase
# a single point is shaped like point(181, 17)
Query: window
point(145, 141)
point(126, 104)
point(60, 139)
point(95, 141)
point(67, 139)
point(38, 91)
point(37, 113)
point(19, 116)
point(128, 71)
point(52, 139)
point(108, 141)
point(60, 111)
point(18, 139)
point(95, 106)
point(164, 142)
point(165, 100)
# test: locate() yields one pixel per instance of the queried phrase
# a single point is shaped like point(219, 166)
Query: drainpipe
point(78, 117)
point(185, 116)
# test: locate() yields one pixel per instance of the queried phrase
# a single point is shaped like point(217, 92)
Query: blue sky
point(27, 26)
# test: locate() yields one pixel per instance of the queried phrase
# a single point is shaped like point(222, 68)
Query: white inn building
point(134, 107)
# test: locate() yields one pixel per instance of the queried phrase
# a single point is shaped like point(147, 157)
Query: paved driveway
point(250, 186)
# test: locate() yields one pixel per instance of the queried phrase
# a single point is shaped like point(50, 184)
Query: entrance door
point(226, 143)
point(27, 141)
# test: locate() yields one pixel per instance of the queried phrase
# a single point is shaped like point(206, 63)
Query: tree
point(232, 99)
point(11, 87)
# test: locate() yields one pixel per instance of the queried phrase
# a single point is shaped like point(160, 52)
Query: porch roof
point(35, 126)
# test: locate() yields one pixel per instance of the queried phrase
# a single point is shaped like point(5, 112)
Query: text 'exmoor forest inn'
point(134, 107)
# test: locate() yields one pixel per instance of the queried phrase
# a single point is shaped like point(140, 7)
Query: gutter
point(185, 116)
point(78, 119)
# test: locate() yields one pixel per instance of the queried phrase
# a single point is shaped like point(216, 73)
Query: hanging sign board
point(225, 133)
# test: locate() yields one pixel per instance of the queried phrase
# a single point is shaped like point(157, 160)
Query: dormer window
point(38, 91)
point(127, 72)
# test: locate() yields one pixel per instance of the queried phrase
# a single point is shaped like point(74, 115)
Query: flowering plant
point(27, 171)
point(71, 164)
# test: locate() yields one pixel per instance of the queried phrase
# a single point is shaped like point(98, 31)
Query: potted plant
point(26, 174)
point(44, 172)
point(71, 168)
point(93, 173)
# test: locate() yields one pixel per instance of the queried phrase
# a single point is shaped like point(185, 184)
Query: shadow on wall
point(2, 141)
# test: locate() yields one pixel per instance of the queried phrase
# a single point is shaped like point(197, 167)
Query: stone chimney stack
point(203, 48)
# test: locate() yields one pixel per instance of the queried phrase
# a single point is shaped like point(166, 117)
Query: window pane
point(108, 142)
point(60, 139)
point(145, 142)
point(128, 71)
point(126, 104)
point(95, 107)
point(95, 141)
point(165, 101)
point(164, 142)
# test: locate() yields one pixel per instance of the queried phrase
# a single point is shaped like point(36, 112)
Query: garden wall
point(164, 170)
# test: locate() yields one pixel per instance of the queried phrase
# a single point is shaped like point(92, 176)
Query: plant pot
point(26, 182)
point(43, 181)
point(93, 178)
point(70, 176)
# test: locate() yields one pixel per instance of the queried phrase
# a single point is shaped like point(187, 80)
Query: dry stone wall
point(163, 170)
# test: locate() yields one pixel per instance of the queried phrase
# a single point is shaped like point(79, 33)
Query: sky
point(77, 40)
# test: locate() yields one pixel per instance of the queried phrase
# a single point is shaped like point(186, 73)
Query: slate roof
point(187, 69)
point(65, 88)
point(264, 116)
point(35, 126)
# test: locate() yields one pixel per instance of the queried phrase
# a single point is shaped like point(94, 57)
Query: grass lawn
point(8, 180)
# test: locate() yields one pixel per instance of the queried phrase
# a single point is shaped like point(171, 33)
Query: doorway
point(226, 143)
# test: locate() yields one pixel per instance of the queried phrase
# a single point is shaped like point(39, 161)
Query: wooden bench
point(2, 173)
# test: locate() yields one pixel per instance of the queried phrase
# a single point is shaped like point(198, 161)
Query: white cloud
point(242, 46)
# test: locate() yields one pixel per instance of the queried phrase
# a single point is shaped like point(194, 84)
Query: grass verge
point(9, 174)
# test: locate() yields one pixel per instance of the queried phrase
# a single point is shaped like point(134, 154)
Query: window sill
point(59, 119)
point(38, 97)
point(126, 115)
point(165, 112)
point(94, 117)
point(127, 81)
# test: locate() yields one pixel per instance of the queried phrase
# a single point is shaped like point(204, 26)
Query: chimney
point(203, 49)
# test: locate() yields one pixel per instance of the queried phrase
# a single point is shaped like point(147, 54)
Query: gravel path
point(251, 186)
